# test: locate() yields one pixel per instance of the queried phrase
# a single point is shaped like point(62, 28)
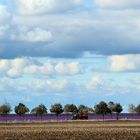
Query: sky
point(74, 51)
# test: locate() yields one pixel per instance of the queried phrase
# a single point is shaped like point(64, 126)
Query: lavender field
point(49, 117)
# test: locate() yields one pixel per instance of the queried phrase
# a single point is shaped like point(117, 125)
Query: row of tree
point(134, 109)
point(100, 108)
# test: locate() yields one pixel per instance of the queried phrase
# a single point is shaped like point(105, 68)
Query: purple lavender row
point(34, 117)
point(66, 117)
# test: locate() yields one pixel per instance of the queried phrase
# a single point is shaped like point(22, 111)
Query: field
point(71, 130)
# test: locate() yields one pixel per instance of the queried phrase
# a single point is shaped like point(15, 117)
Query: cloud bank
point(37, 7)
point(119, 4)
point(28, 66)
point(125, 63)
point(45, 28)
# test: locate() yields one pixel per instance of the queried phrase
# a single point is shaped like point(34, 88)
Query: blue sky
point(74, 51)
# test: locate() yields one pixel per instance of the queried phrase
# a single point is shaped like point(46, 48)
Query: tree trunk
point(103, 116)
point(117, 116)
point(57, 117)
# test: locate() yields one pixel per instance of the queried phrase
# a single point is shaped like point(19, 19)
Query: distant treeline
point(102, 108)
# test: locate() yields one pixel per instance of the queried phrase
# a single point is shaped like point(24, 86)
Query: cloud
point(104, 87)
point(54, 85)
point(23, 66)
point(17, 66)
point(32, 88)
point(3, 31)
point(124, 63)
point(4, 14)
point(45, 69)
point(70, 68)
point(75, 34)
point(117, 4)
point(96, 82)
point(34, 35)
point(71, 35)
point(135, 81)
point(4, 65)
point(37, 7)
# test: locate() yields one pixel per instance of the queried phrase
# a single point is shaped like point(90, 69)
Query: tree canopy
point(118, 108)
point(102, 108)
point(5, 109)
point(70, 108)
point(137, 109)
point(85, 109)
point(56, 108)
point(131, 108)
point(21, 109)
point(39, 110)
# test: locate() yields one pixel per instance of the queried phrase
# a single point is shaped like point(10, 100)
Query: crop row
point(13, 117)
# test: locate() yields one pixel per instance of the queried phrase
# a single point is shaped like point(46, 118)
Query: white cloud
point(60, 68)
point(43, 84)
point(118, 4)
point(45, 69)
point(102, 86)
point(36, 7)
point(96, 82)
point(17, 66)
point(67, 68)
point(122, 63)
point(4, 14)
point(22, 66)
point(34, 35)
point(4, 65)
point(74, 67)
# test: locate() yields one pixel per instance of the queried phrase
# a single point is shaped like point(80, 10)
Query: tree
point(34, 111)
point(101, 108)
point(111, 106)
point(5, 109)
point(57, 109)
point(85, 109)
point(118, 109)
point(137, 109)
point(39, 110)
point(21, 109)
point(90, 110)
point(70, 108)
point(132, 108)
